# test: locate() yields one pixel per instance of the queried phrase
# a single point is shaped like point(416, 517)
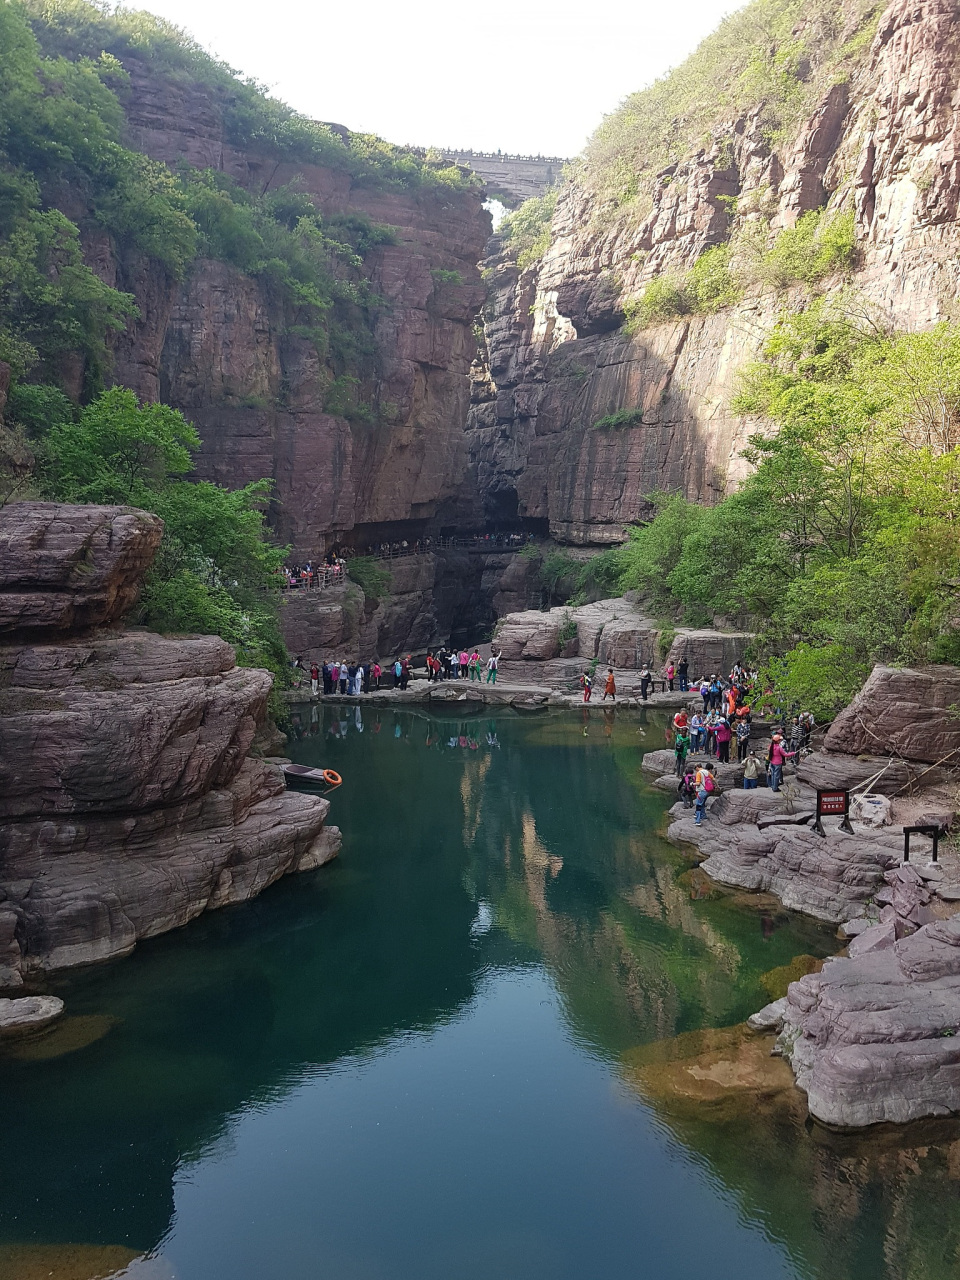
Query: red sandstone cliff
point(216, 346)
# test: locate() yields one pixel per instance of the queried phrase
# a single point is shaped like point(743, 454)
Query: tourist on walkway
point(405, 672)
point(680, 744)
point(493, 664)
point(464, 662)
point(683, 675)
point(297, 672)
point(376, 671)
point(777, 756)
point(716, 690)
point(705, 695)
point(586, 684)
point(723, 735)
point(751, 772)
point(696, 732)
point(646, 680)
point(314, 679)
point(475, 665)
point(610, 688)
point(397, 672)
point(670, 671)
point(455, 665)
point(344, 676)
point(743, 739)
point(325, 672)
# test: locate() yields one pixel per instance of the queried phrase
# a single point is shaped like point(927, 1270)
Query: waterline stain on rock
point(67, 1036)
point(78, 1262)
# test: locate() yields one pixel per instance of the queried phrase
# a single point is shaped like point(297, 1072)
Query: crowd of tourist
point(353, 677)
point(332, 569)
point(725, 720)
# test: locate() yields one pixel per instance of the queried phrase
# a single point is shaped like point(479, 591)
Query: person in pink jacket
point(776, 758)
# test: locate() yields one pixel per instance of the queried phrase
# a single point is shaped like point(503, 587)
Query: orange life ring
point(331, 776)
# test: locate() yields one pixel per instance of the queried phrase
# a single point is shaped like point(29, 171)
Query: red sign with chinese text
point(831, 802)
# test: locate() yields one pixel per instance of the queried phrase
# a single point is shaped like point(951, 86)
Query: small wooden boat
point(328, 778)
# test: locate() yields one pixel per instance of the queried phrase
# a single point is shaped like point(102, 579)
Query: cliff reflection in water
point(473, 845)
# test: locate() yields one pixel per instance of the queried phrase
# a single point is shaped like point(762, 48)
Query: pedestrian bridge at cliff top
point(511, 179)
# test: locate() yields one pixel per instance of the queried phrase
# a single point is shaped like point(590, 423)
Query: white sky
point(519, 75)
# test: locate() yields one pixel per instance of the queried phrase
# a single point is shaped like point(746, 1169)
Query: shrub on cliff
point(527, 230)
point(216, 571)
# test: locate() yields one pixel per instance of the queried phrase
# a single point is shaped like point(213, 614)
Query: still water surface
point(417, 1063)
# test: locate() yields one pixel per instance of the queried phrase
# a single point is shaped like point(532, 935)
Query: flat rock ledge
point(28, 1015)
point(875, 1037)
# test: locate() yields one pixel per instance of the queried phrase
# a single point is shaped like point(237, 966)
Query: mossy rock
point(776, 981)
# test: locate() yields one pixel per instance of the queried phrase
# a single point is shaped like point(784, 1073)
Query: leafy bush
point(568, 631)
point(216, 570)
point(622, 418)
point(818, 246)
point(371, 576)
point(527, 229)
point(38, 408)
point(440, 276)
point(708, 286)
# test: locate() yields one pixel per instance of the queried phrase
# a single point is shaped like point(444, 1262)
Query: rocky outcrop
point(616, 633)
point(874, 1037)
point(902, 712)
point(64, 569)
point(879, 139)
point(128, 801)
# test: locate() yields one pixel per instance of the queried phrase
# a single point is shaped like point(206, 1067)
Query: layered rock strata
point(128, 801)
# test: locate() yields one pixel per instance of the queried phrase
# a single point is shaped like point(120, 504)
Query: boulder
point(68, 568)
point(874, 1037)
point(902, 711)
point(27, 1015)
point(832, 770)
point(770, 1017)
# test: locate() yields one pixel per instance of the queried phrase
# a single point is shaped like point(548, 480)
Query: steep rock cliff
point(879, 137)
point(218, 346)
point(128, 802)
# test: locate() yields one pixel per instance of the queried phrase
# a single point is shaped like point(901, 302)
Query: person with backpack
point(706, 786)
point(683, 674)
point(586, 684)
point(680, 745)
point(475, 665)
point(493, 663)
point(716, 689)
point(685, 789)
point(397, 672)
point(705, 695)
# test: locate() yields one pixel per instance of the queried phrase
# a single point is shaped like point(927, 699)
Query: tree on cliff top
point(216, 570)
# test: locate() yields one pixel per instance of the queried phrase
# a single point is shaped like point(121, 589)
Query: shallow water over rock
point(497, 1039)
